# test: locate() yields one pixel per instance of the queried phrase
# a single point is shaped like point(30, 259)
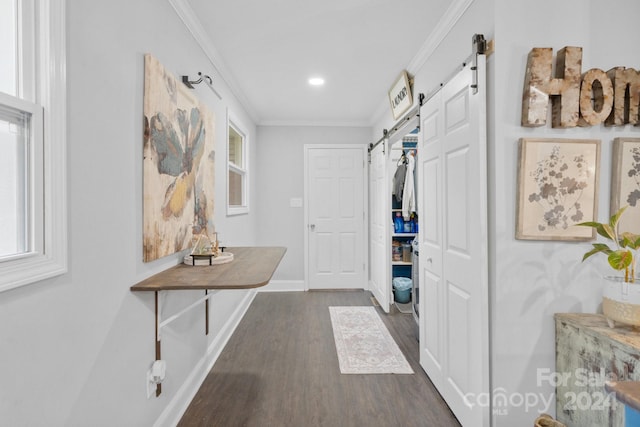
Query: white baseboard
point(284, 286)
point(179, 404)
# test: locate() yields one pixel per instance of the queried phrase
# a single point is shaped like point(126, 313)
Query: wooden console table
point(589, 355)
point(628, 394)
point(252, 267)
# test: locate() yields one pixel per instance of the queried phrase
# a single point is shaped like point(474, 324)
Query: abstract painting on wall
point(179, 160)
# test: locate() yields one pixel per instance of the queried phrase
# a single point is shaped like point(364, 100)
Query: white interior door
point(335, 211)
point(379, 252)
point(454, 316)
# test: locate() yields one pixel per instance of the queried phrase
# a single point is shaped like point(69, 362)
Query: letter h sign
point(539, 85)
point(612, 97)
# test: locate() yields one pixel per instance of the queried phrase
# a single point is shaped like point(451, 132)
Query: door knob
point(312, 227)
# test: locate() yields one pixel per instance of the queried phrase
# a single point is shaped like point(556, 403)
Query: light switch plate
point(295, 202)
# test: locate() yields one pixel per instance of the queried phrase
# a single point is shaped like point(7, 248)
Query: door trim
point(365, 203)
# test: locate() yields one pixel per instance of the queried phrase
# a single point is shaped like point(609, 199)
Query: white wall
point(75, 349)
point(533, 280)
point(280, 175)
point(530, 281)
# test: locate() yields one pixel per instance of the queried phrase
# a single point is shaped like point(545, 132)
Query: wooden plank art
point(623, 79)
point(539, 86)
point(178, 164)
point(578, 99)
point(596, 97)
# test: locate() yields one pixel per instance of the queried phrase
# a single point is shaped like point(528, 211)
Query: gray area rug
point(364, 344)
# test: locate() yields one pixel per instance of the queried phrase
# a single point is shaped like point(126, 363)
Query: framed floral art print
point(625, 182)
point(557, 188)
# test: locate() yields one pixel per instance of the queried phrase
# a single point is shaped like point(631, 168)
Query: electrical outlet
point(155, 376)
point(151, 385)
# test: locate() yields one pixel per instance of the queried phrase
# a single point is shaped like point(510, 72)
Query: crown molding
point(445, 25)
point(313, 123)
point(182, 8)
point(193, 24)
point(448, 21)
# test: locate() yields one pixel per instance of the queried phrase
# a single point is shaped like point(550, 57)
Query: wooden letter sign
point(400, 96)
point(577, 99)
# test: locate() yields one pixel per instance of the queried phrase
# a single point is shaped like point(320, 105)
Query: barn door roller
point(479, 48)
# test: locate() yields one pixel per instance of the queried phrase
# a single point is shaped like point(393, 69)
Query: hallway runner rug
point(364, 344)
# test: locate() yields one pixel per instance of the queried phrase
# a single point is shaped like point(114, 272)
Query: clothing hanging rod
point(405, 148)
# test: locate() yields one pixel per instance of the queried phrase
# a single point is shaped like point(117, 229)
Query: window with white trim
point(32, 141)
point(237, 168)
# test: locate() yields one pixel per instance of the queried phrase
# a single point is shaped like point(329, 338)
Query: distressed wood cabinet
point(588, 355)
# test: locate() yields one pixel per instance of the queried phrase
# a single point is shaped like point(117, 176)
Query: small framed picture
point(625, 182)
point(557, 188)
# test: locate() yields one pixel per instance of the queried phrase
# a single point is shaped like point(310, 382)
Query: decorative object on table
point(625, 182)
point(179, 167)
point(207, 251)
point(222, 258)
point(203, 246)
point(557, 188)
point(621, 296)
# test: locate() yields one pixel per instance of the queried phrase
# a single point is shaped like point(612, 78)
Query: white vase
point(621, 301)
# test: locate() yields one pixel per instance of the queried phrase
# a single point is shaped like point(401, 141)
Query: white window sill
point(241, 210)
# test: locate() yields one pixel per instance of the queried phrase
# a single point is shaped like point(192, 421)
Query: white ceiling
point(267, 50)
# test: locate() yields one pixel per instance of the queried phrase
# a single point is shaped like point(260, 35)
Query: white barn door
point(335, 197)
point(454, 315)
point(379, 253)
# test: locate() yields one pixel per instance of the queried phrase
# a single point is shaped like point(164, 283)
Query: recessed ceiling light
point(316, 81)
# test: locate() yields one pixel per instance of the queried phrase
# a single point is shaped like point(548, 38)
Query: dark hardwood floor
point(280, 368)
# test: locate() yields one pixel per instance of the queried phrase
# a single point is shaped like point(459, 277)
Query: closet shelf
point(401, 263)
point(404, 234)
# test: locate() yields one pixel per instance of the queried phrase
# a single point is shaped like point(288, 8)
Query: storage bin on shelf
point(406, 251)
point(396, 251)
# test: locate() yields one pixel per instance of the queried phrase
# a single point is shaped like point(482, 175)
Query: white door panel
point(456, 200)
point(432, 292)
point(431, 289)
point(458, 335)
point(335, 217)
point(379, 194)
point(454, 283)
point(456, 109)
